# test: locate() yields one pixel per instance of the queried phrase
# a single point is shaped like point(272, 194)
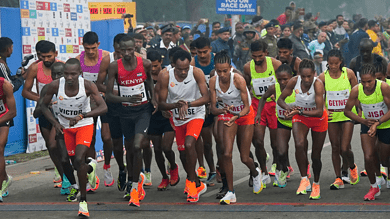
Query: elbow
point(13, 113)
point(24, 92)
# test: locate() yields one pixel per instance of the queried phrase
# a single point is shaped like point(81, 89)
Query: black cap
point(270, 24)
point(224, 29)
point(167, 28)
point(321, 24)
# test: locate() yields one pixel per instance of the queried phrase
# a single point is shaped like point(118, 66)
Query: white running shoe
point(380, 181)
point(257, 182)
point(108, 179)
point(388, 184)
point(229, 198)
point(266, 179)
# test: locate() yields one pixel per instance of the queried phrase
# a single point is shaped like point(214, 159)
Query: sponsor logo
point(73, 16)
point(172, 84)
point(61, 98)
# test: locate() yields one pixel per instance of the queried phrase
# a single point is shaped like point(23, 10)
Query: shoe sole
point(109, 185)
point(148, 184)
point(358, 180)
point(315, 198)
point(134, 205)
point(228, 203)
point(162, 189)
point(178, 180)
point(332, 187)
point(83, 214)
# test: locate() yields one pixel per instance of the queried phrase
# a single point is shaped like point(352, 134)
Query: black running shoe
point(222, 192)
point(122, 180)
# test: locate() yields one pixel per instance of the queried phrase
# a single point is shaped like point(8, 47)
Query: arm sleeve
point(16, 82)
point(194, 30)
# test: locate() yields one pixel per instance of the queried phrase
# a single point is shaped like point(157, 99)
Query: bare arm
point(192, 62)
point(93, 92)
point(352, 77)
point(103, 74)
point(28, 84)
point(276, 63)
point(163, 80)
point(287, 92)
point(38, 111)
point(352, 64)
point(149, 80)
point(10, 100)
point(296, 65)
point(271, 91)
point(52, 89)
point(247, 74)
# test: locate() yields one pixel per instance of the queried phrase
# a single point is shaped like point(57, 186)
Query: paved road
point(33, 195)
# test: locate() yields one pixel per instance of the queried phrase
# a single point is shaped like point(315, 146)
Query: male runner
point(76, 122)
point(285, 52)
point(41, 73)
point(259, 75)
point(184, 91)
point(135, 92)
point(7, 113)
point(110, 121)
point(90, 60)
point(205, 61)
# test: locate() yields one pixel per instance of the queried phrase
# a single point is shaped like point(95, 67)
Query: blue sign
point(73, 16)
point(24, 5)
point(54, 32)
point(81, 32)
point(79, 8)
point(53, 6)
point(236, 7)
point(62, 49)
point(26, 31)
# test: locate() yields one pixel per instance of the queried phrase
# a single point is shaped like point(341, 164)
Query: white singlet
point(305, 100)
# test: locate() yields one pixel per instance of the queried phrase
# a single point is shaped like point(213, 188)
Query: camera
point(128, 16)
point(24, 63)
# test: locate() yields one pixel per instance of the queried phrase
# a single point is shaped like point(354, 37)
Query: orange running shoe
point(141, 190)
point(315, 194)
point(201, 189)
point(175, 179)
point(304, 187)
point(186, 187)
point(354, 175)
point(192, 195)
point(338, 184)
point(202, 173)
point(134, 198)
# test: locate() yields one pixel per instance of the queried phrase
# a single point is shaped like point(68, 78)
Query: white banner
point(62, 22)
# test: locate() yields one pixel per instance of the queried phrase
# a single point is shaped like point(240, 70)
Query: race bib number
point(337, 99)
point(236, 106)
point(207, 77)
point(374, 111)
point(280, 112)
point(90, 76)
point(305, 106)
point(260, 85)
point(2, 107)
point(133, 90)
point(190, 113)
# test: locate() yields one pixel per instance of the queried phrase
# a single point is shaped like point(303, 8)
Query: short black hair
point(216, 22)
point(47, 47)
point(193, 45)
point(259, 45)
point(372, 23)
point(38, 46)
point(202, 42)
point(172, 51)
point(73, 61)
point(297, 25)
point(154, 55)
point(379, 66)
point(337, 17)
point(90, 38)
point(182, 55)
point(138, 36)
point(127, 38)
point(118, 37)
point(215, 32)
point(285, 43)
point(288, 8)
point(5, 43)
point(362, 22)
point(57, 65)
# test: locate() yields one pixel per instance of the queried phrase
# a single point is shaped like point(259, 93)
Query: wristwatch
point(300, 112)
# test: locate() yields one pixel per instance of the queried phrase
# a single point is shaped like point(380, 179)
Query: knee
point(300, 145)
point(106, 140)
point(227, 156)
point(368, 158)
point(245, 159)
point(258, 143)
point(78, 161)
point(189, 145)
point(316, 158)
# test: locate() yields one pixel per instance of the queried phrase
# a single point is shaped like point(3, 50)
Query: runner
point(90, 60)
point(259, 74)
point(205, 61)
point(308, 113)
point(160, 131)
point(374, 98)
point(283, 169)
point(231, 88)
point(41, 73)
point(184, 90)
point(135, 92)
point(285, 52)
point(76, 123)
point(111, 119)
point(338, 82)
point(7, 113)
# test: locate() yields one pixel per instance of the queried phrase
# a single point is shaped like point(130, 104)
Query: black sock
point(90, 169)
point(83, 199)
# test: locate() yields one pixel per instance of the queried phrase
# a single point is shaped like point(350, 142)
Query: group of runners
point(194, 99)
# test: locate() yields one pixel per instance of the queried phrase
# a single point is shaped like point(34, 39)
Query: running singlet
point(3, 104)
point(373, 105)
point(388, 81)
point(206, 69)
point(187, 90)
point(70, 107)
point(359, 64)
point(132, 82)
point(306, 100)
point(112, 59)
point(232, 97)
point(42, 78)
point(261, 81)
point(290, 100)
point(337, 94)
point(91, 72)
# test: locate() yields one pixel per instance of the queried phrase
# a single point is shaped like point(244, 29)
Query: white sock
point(316, 183)
point(135, 185)
point(305, 177)
point(75, 186)
point(375, 185)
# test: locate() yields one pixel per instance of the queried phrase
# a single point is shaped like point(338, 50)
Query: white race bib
point(280, 112)
point(207, 77)
point(90, 76)
point(260, 85)
point(337, 99)
point(375, 111)
point(2, 107)
point(237, 106)
point(305, 106)
point(191, 112)
point(133, 90)
point(40, 87)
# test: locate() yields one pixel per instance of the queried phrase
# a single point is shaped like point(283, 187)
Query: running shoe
point(380, 180)
point(202, 173)
point(163, 185)
point(363, 173)
point(175, 179)
point(372, 193)
point(354, 175)
point(5, 193)
point(229, 198)
point(383, 171)
point(192, 195)
point(211, 179)
point(222, 192)
point(1, 199)
point(273, 170)
point(121, 180)
point(140, 189)
point(108, 179)
point(277, 174)
point(266, 179)
point(282, 180)
point(201, 189)
point(65, 188)
point(134, 198)
point(290, 172)
point(6, 184)
point(304, 187)
point(346, 179)
point(92, 176)
point(315, 194)
point(148, 179)
point(83, 209)
point(93, 189)
point(72, 197)
point(186, 187)
point(308, 171)
point(128, 191)
point(58, 185)
point(388, 183)
point(258, 182)
point(57, 176)
point(338, 184)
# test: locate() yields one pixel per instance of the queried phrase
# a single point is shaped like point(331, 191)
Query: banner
point(62, 22)
point(236, 7)
point(113, 10)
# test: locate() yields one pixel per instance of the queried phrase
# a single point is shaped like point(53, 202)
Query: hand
point(183, 111)
point(166, 114)
point(155, 105)
point(59, 128)
point(231, 121)
point(369, 122)
point(257, 119)
point(290, 114)
point(73, 121)
point(135, 98)
point(272, 97)
point(372, 131)
point(330, 116)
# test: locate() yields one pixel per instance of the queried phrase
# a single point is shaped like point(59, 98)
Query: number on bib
point(260, 85)
point(133, 90)
point(90, 76)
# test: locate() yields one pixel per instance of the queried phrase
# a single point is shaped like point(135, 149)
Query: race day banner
point(113, 10)
point(62, 22)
